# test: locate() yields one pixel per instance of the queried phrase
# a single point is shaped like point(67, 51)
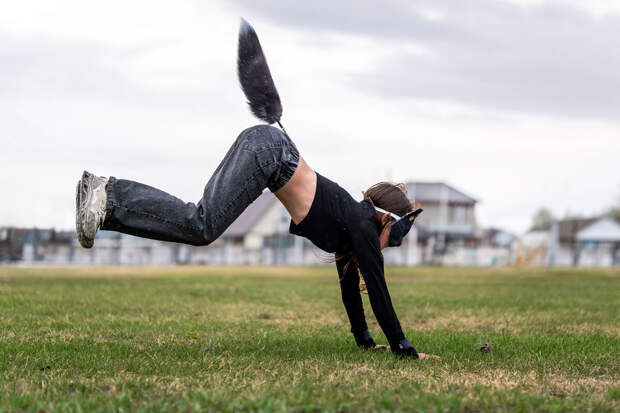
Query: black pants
point(261, 157)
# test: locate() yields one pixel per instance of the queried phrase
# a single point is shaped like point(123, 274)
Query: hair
point(391, 197)
point(385, 195)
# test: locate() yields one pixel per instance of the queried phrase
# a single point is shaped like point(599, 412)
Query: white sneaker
point(90, 205)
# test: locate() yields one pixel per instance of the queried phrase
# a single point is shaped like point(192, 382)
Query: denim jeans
point(261, 157)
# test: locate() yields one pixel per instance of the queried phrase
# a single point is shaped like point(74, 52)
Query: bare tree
point(541, 220)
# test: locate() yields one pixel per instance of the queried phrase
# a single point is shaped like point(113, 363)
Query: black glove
point(405, 349)
point(364, 339)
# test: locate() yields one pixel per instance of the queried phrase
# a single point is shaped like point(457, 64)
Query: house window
point(458, 214)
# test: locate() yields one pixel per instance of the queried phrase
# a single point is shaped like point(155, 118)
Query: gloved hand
point(405, 349)
point(364, 340)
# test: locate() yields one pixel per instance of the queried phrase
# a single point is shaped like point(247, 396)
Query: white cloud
point(598, 8)
point(148, 91)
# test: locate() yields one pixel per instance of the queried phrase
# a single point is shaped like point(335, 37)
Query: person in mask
point(262, 157)
point(321, 211)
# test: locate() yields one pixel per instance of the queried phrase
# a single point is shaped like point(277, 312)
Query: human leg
point(261, 157)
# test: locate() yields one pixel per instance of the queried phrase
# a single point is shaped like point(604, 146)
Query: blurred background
point(501, 116)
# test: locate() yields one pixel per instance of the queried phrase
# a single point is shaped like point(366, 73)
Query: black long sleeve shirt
point(336, 223)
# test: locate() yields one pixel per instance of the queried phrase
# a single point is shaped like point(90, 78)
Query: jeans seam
point(271, 182)
point(256, 151)
point(219, 213)
point(144, 214)
point(263, 165)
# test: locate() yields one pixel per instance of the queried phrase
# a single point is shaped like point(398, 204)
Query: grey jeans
point(261, 157)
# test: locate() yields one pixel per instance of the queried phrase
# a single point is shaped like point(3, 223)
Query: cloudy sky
point(516, 103)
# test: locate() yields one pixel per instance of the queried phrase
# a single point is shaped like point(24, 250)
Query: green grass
point(276, 339)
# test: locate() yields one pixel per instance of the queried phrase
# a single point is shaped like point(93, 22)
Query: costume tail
point(255, 77)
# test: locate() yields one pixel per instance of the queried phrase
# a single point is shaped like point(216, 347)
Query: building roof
point(251, 215)
point(569, 227)
point(435, 192)
point(496, 236)
point(603, 230)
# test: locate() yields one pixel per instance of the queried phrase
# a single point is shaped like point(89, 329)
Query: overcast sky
point(516, 103)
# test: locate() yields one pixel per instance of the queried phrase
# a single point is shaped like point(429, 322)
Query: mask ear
point(415, 214)
point(401, 227)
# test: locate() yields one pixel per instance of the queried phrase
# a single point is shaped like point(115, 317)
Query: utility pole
point(553, 243)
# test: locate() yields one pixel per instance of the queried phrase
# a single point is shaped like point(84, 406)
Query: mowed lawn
point(277, 339)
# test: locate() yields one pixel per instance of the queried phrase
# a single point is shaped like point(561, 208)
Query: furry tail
point(255, 77)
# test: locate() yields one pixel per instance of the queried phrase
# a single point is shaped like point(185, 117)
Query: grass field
point(277, 339)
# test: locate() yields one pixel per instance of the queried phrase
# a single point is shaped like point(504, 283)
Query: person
point(263, 157)
point(321, 211)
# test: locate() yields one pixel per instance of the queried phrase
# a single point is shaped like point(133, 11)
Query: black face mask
point(401, 227)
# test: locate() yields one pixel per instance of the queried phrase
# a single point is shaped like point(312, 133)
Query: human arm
point(370, 260)
point(352, 300)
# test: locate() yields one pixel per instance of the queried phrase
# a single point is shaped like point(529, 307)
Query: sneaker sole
point(80, 219)
point(89, 208)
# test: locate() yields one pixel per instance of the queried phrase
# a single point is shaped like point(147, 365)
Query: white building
point(583, 242)
point(599, 243)
point(258, 236)
point(447, 229)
